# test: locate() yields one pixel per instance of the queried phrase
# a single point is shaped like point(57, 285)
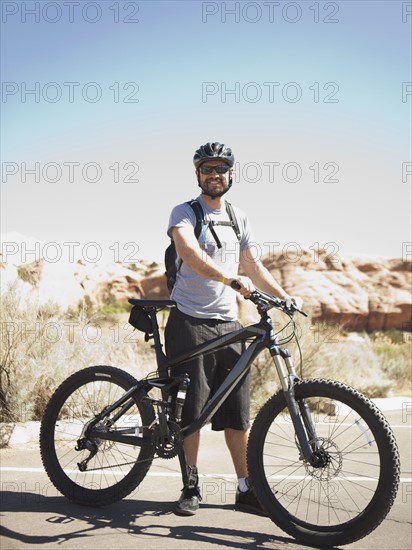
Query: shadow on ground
point(125, 517)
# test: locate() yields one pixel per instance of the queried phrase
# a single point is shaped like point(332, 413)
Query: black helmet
point(213, 151)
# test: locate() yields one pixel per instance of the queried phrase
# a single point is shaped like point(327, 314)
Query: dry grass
point(41, 347)
point(379, 365)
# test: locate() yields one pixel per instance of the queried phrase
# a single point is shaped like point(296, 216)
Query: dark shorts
point(183, 333)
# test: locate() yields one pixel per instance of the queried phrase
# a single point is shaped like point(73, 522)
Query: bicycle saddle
point(151, 303)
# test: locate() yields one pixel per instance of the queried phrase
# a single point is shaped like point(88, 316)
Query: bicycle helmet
point(213, 151)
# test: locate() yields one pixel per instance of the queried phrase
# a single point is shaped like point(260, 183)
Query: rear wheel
point(349, 495)
point(116, 469)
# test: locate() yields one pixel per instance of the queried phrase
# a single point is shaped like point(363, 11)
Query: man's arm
point(262, 278)
point(189, 250)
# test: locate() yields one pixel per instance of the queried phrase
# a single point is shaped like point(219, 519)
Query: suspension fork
point(299, 410)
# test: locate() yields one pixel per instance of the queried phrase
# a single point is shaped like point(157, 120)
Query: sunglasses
point(219, 169)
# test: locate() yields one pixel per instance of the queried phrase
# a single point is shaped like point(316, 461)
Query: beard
point(214, 191)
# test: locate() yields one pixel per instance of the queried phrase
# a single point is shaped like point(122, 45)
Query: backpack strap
point(200, 221)
point(200, 215)
point(233, 220)
point(214, 234)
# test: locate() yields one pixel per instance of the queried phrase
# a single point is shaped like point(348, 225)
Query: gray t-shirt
point(194, 294)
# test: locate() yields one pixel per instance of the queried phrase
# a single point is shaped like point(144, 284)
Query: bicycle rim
point(351, 494)
point(116, 468)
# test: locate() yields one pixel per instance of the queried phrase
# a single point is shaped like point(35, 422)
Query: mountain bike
point(322, 459)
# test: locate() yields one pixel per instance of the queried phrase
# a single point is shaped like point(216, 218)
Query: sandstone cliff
point(357, 292)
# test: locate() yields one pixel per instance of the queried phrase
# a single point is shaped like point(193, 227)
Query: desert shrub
point(41, 346)
point(378, 365)
point(108, 309)
point(29, 275)
point(394, 352)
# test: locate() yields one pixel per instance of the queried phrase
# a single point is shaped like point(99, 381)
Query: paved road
point(33, 512)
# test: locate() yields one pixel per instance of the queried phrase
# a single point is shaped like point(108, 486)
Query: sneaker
point(188, 503)
point(248, 502)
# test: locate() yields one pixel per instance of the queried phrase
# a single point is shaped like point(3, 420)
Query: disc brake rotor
point(332, 460)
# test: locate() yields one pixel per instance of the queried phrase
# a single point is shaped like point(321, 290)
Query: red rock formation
point(358, 293)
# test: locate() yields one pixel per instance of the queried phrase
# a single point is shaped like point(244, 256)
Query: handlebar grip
point(235, 285)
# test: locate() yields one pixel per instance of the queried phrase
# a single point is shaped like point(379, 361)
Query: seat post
point(158, 346)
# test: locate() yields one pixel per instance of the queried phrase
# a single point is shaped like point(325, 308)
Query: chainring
point(168, 449)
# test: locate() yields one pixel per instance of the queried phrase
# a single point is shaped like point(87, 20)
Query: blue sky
point(350, 118)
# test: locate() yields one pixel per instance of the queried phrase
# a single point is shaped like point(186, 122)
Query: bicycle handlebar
point(261, 298)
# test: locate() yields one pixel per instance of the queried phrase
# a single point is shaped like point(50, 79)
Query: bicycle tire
point(349, 497)
point(76, 401)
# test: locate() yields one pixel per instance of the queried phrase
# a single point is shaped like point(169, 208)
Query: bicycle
point(322, 458)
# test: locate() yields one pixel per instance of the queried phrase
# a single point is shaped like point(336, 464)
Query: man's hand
point(298, 302)
point(246, 285)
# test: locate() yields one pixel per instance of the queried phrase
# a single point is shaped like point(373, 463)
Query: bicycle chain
point(122, 464)
point(165, 454)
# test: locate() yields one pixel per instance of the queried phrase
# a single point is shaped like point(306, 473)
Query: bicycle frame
point(328, 486)
point(233, 377)
point(264, 337)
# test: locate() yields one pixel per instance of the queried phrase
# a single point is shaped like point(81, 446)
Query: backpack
point(173, 263)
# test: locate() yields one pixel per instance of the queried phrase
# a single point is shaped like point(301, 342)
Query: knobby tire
point(117, 469)
point(342, 501)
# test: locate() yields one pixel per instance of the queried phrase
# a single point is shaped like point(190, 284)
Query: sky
point(104, 103)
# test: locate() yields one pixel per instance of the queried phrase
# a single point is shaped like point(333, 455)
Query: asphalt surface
point(33, 513)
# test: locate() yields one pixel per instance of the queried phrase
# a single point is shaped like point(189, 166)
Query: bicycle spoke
point(112, 461)
point(343, 484)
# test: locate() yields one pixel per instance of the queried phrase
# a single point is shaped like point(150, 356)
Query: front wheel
point(349, 495)
point(113, 469)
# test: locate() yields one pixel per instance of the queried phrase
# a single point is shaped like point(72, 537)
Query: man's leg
point(191, 447)
point(182, 333)
point(188, 503)
point(236, 440)
point(246, 500)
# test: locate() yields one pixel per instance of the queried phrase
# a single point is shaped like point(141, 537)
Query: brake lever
point(291, 308)
point(255, 297)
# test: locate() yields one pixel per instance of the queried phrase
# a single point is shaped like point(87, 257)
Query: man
point(206, 308)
